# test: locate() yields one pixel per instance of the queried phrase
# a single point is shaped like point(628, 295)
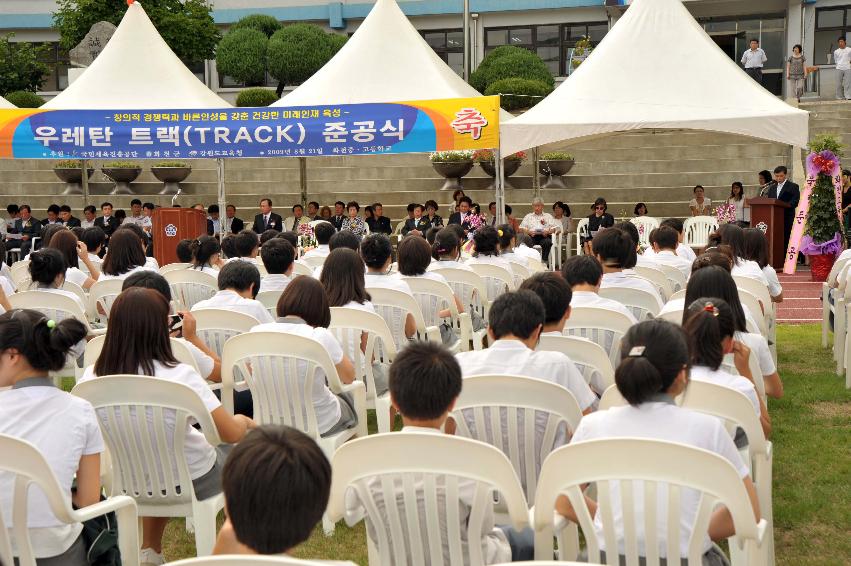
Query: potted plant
point(171, 173)
point(822, 239)
point(485, 158)
point(553, 165)
point(122, 173)
point(581, 51)
point(70, 172)
point(452, 165)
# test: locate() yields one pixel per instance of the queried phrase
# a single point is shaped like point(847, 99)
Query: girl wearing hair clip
point(207, 255)
point(62, 427)
point(710, 329)
point(654, 369)
point(446, 251)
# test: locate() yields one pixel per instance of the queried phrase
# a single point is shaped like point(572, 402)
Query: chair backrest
point(676, 279)
point(696, 230)
point(756, 288)
point(313, 261)
point(52, 305)
point(750, 301)
point(397, 231)
point(347, 325)
point(302, 268)
point(681, 294)
point(641, 303)
point(77, 290)
point(469, 287)
point(101, 296)
point(280, 369)
point(589, 357)
point(664, 471)
point(729, 365)
point(602, 326)
point(174, 267)
point(519, 272)
point(191, 286)
point(20, 271)
point(217, 326)
point(672, 316)
point(148, 461)
point(581, 229)
point(657, 277)
point(394, 306)
point(181, 353)
point(247, 560)
point(422, 474)
point(506, 410)
point(498, 280)
point(558, 238)
point(645, 225)
point(434, 296)
point(269, 299)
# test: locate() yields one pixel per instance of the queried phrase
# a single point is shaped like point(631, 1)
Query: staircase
point(801, 299)
point(830, 117)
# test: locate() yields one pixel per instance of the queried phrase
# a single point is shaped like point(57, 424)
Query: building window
point(553, 43)
point(449, 46)
point(58, 61)
point(831, 23)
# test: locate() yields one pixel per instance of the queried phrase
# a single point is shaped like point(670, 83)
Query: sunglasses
point(599, 208)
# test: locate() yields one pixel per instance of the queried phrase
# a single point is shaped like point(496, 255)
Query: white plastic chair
point(396, 236)
point(696, 230)
point(828, 292)
point(101, 296)
point(645, 225)
point(658, 278)
point(681, 294)
point(555, 260)
point(423, 471)
point(191, 286)
point(676, 279)
point(147, 465)
point(181, 353)
point(434, 296)
point(174, 267)
point(520, 273)
point(249, 560)
point(498, 409)
point(590, 359)
point(394, 307)
point(279, 368)
point(301, 268)
point(348, 325)
point(663, 467)
point(641, 303)
point(470, 288)
point(52, 305)
point(313, 261)
point(581, 229)
point(269, 299)
point(20, 271)
point(760, 291)
point(602, 326)
point(28, 465)
point(675, 317)
point(77, 290)
point(498, 280)
point(752, 303)
point(216, 326)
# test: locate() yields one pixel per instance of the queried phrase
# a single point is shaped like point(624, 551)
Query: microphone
point(177, 194)
point(767, 188)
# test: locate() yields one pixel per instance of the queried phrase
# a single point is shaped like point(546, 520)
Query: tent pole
point(85, 165)
point(467, 58)
point(536, 179)
point(220, 173)
point(500, 187)
point(302, 179)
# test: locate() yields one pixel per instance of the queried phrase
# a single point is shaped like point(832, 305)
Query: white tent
point(656, 68)
point(5, 104)
point(136, 70)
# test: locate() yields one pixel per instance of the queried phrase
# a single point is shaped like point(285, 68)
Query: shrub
point(451, 156)
point(260, 22)
point(510, 62)
point(528, 92)
point(242, 55)
point(256, 97)
point(68, 164)
point(24, 99)
point(297, 51)
point(121, 165)
point(486, 155)
point(171, 164)
point(556, 156)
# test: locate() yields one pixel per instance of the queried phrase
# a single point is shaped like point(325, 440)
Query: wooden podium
point(770, 211)
point(170, 225)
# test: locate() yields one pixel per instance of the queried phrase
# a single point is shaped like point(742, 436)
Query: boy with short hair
point(239, 283)
point(278, 256)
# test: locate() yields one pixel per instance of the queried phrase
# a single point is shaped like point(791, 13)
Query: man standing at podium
point(787, 191)
point(267, 220)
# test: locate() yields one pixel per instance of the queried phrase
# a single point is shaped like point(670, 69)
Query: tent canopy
point(386, 60)
point(657, 68)
point(136, 70)
point(5, 104)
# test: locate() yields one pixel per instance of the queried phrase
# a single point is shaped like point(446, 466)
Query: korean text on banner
point(354, 129)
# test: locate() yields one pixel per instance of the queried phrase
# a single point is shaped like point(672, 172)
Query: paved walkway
point(801, 299)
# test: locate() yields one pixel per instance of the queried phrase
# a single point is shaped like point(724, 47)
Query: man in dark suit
point(787, 191)
point(67, 218)
point(233, 225)
point(53, 212)
point(416, 225)
point(379, 224)
point(313, 210)
point(28, 228)
point(267, 220)
point(464, 205)
point(108, 223)
point(339, 215)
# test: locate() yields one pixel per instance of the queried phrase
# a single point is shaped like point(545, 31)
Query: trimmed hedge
point(24, 99)
point(297, 51)
point(535, 91)
point(242, 55)
point(256, 97)
point(261, 22)
point(508, 62)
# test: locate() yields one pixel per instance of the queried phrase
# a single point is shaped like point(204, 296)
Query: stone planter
point(452, 171)
point(73, 179)
point(122, 178)
point(511, 167)
point(171, 178)
point(553, 170)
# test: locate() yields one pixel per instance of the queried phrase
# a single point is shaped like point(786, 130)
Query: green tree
point(261, 22)
point(20, 65)
point(508, 62)
point(297, 51)
point(518, 93)
point(186, 25)
point(242, 55)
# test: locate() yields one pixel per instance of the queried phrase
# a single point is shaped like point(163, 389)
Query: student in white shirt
point(425, 382)
point(239, 283)
point(376, 252)
point(414, 260)
point(74, 252)
point(756, 249)
point(47, 270)
point(278, 256)
point(584, 274)
point(683, 250)
point(525, 248)
point(344, 281)
point(246, 245)
point(94, 239)
point(446, 249)
point(137, 342)
point(323, 232)
point(507, 243)
point(144, 241)
point(733, 236)
point(207, 255)
point(708, 323)
point(653, 372)
point(486, 242)
point(303, 310)
point(842, 60)
point(664, 241)
point(124, 257)
point(63, 428)
point(615, 250)
point(278, 509)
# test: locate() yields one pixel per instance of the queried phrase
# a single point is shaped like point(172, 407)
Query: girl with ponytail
point(62, 427)
point(207, 255)
point(710, 327)
point(47, 270)
point(654, 369)
point(446, 250)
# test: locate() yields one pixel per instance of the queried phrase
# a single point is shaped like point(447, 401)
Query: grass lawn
point(812, 466)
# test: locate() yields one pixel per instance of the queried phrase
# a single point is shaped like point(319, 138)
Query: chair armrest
point(108, 505)
point(97, 331)
point(433, 334)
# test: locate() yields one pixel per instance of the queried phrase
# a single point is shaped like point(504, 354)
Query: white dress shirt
point(539, 222)
point(274, 282)
point(754, 59)
point(590, 299)
point(625, 279)
point(842, 59)
point(230, 300)
point(667, 257)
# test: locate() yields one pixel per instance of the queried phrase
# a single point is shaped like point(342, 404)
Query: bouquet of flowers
point(726, 213)
point(472, 223)
point(306, 237)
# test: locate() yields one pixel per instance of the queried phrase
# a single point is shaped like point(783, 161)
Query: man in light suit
point(787, 191)
point(267, 220)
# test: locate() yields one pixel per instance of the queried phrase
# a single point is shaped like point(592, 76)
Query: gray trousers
point(755, 73)
point(843, 84)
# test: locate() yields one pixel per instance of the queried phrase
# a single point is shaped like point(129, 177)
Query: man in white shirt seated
point(615, 250)
point(89, 215)
point(94, 239)
point(278, 256)
point(135, 217)
point(239, 283)
point(515, 323)
point(323, 233)
point(584, 274)
point(664, 242)
point(539, 225)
